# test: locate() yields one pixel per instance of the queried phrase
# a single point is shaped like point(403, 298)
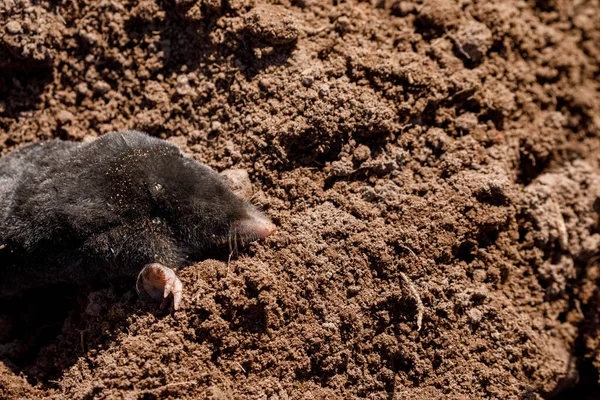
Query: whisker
point(235, 238)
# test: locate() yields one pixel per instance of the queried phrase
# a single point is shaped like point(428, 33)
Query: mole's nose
point(267, 229)
point(257, 225)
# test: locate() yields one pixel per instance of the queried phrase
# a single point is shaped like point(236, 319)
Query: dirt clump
point(29, 35)
point(453, 145)
point(273, 24)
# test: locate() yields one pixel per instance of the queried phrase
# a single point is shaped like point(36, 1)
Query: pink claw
point(160, 283)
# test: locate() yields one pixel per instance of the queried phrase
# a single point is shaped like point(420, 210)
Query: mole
point(123, 205)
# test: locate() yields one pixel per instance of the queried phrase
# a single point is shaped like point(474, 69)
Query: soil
point(452, 143)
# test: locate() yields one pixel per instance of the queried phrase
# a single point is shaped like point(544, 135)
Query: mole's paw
point(160, 283)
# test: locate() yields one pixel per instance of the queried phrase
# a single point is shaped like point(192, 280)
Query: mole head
point(199, 207)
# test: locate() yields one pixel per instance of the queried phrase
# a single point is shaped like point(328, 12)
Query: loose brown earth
point(454, 142)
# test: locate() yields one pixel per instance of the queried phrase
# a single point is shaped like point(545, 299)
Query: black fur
point(76, 212)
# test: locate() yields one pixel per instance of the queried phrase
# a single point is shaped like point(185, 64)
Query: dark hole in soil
point(466, 251)
point(44, 331)
point(488, 236)
point(588, 384)
point(495, 196)
point(587, 388)
point(31, 321)
point(21, 89)
point(530, 167)
point(597, 209)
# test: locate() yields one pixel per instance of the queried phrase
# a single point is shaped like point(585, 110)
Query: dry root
point(415, 294)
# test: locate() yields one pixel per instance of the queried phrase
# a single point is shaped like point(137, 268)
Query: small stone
point(215, 125)
point(101, 87)
point(183, 86)
point(474, 316)
point(82, 89)
point(182, 80)
point(13, 27)
point(64, 117)
point(265, 84)
point(307, 80)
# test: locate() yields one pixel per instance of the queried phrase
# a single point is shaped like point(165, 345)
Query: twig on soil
point(60, 17)
point(413, 291)
point(458, 45)
point(415, 294)
point(240, 365)
point(409, 249)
